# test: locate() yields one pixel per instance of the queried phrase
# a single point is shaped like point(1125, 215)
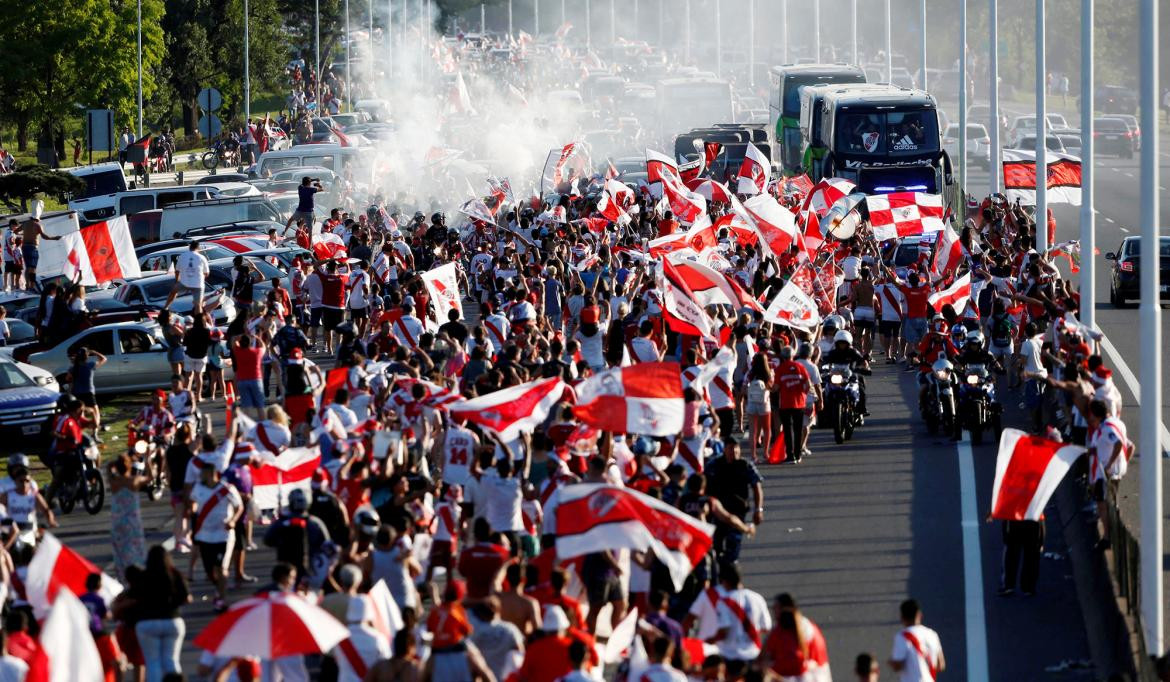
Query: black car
point(1125, 276)
point(1114, 99)
point(1114, 136)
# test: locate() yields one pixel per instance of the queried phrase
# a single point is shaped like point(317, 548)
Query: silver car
point(978, 144)
point(136, 358)
point(154, 290)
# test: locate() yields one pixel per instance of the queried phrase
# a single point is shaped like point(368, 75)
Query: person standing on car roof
point(306, 204)
point(31, 233)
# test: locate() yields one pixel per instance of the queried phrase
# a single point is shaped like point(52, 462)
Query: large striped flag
point(645, 399)
point(712, 287)
point(278, 476)
point(1019, 177)
point(511, 410)
point(592, 517)
point(826, 193)
point(90, 255)
point(754, 171)
point(55, 567)
point(1027, 471)
point(775, 225)
point(957, 295)
point(682, 311)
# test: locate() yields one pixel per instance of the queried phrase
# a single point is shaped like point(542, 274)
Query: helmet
point(975, 336)
point(438, 218)
point(834, 322)
point(18, 459)
point(367, 521)
point(843, 336)
point(958, 332)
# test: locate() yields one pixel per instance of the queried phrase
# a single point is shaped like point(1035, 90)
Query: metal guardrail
point(1126, 570)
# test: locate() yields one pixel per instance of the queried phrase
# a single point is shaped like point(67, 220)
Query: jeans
point(161, 641)
point(251, 393)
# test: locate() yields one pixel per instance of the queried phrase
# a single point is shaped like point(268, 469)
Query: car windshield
point(1110, 125)
point(12, 377)
point(1133, 247)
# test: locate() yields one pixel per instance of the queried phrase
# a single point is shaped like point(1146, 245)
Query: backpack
point(757, 392)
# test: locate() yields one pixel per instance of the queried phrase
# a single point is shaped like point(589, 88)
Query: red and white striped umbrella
point(713, 191)
point(272, 626)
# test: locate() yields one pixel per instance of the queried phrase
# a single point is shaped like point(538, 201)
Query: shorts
point(604, 592)
point(196, 365)
point(756, 409)
point(890, 327)
point(863, 313)
point(251, 393)
point(359, 313)
point(307, 216)
point(175, 355)
point(87, 399)
point(12, 268)
point(31, 254)
point(315, 316)
point(913, 329)
point(442, 552)
point(215, 554)
point(1001, 351)
point(196, 293)
point(330, 318)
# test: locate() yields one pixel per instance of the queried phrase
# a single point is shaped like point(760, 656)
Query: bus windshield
point(892, 133)
point(790, 89)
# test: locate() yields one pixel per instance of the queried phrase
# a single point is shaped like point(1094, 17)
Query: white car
point(978, 144)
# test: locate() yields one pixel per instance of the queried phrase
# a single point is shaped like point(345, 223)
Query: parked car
point(153, 291)
point(161, 260)
point(978, 144)
point(136, 358)
point(222, 177)
point(1125, 275)
point(1026, 125)
point(1112, 135)
point(28, 400)
point(1071, 139)
point(1051, 141)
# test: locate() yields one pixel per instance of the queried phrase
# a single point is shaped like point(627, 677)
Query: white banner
point(443, 285)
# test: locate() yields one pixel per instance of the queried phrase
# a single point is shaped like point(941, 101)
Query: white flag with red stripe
point(55, 567)
point(793, 307)
point(713, 191)
point(712, 287)
point(774, 224)
point(443, 285)
point(754, 172)
point(278, 476)
point(621, 193)
point(683, 312)
point(645, 399)
point(559, 165)
point(699, 238)
point(902, 214)
point(658, 166)
point(477, 210)
point(957, 294)
point(511, 410)
point(826, 193)
point(592, 517)
point(327, 245)
point(68, 643)
point(1027, 470)
point(686, 205)
point(90, 255)
point(947, 254)
point(608, 207)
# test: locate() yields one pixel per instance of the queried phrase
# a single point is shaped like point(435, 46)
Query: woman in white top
point(592, 343)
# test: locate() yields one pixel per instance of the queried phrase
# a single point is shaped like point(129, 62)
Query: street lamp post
point(853, 30)
point(687, 31)
point(535, 18)
point(816, 31)
point(317, 51)
point(510, 34)
point(1151, 333)
point(889, 44)
point(1041, 133)
point(139, 69)
point(962, 92)
point(719, 39)
point(922, 46)
point(612, 22)
point(1088, 228)
point(751, 43)
point(993, 76)
point(784, 27)
point(588, 23)
point(482, 18)
point(348, 81)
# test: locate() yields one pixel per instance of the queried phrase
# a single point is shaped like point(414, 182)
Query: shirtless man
point(31, 231)
point(862, 297)
point(516, 607)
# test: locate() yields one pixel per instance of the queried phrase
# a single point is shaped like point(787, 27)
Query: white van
point(103, 181)
point(178, 219)
point(334, 157)
point(146, 199)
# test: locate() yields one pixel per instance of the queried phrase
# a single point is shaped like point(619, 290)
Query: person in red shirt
point(24, 646)
point(794, 383)
point(668, 225)
point(333, 291)
point(552, 593)
point(547, 658)
point(916, 294)
point(480, 564)
point(247, 361)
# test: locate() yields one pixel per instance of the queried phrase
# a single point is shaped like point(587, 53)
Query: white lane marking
point(1109, 220)
point(1131, 380)
point(1123, 229)
point(976, 626)
point(1127, 174)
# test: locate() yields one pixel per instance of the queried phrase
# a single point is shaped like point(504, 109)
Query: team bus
point(813, 152)
point(885, 140)
point(686, 103)
point(784, 105)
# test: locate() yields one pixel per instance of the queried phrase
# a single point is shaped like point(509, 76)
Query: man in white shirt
point(501, 495)
point(497, 326)
point(191, 270)
point(364, 647)
point(743, 618)
point(459, 446)
point(315, 290)
point(408, 328)
point(216, 506)
point(643, 348)
point(358, 300)
point(340, 409)
point(917, 654)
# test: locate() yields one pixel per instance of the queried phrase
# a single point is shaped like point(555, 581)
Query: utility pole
point(1151, 334)
point(140, 69)
point(1041, 134)
point(993, 76)
point(962, 93)
point(889, 44)
point(922, 47)
point(1088, 220)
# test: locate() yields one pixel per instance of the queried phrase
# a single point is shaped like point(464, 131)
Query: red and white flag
point(902, 214)
point(511, 410)
point(560, 165)
point(55, 567)
point(443, 285)
point(713, 191)
point(689, 171)
point(947, 254)
point(327, 245)
point(957, 294)
point(68, 643)
point(592, 517)
point(775, 225)
point(683, 312)
point(477, 210)
point(608, 207)
point(814, 237)
point(88, 255)
point(700, 237)
point(826, 193)
point(793, 307)
point(1027, 470)
point(645, 399)
point(276, 477)
point(1019, 177)
point(658, 166)
point(754, 172)
point(621, 193)
point(712, 287)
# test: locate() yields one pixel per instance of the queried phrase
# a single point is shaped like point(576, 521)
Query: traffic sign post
point(99, 131)
point(209, 125)
point(210, 99)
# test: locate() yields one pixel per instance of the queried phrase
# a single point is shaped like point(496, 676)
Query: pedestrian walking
point(127, 479)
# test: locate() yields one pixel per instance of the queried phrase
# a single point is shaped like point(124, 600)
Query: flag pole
point(1151, 335)
point(1041, 134)
point(1088, 227)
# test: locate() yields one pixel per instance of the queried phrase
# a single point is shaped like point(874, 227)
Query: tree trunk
point(22, 121)
point(190, 124)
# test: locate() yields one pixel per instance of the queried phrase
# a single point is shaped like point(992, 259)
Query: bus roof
point(819, 69)
point(667, 82)
point(891, 96)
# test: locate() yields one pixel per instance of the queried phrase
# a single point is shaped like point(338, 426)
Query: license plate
point(1112, 137)
point(31, 429)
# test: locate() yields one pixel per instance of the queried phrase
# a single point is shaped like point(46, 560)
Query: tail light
point(1125, 266)
point(1129, 133)
point(985, 140)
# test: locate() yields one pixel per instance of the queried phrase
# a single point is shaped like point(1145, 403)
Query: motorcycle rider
point(156, 424)
point(974, 352)
point(65, 452)
point(843, 353)
point(936, 344)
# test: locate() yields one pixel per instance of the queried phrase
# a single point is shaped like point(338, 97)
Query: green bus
point(784, 104)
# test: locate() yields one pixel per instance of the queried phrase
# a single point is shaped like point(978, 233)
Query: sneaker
point(805, 452)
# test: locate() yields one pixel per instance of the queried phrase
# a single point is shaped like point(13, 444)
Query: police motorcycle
point(841, 388)
point(978, 410)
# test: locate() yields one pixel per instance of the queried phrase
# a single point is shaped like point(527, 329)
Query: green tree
point(30, 181)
